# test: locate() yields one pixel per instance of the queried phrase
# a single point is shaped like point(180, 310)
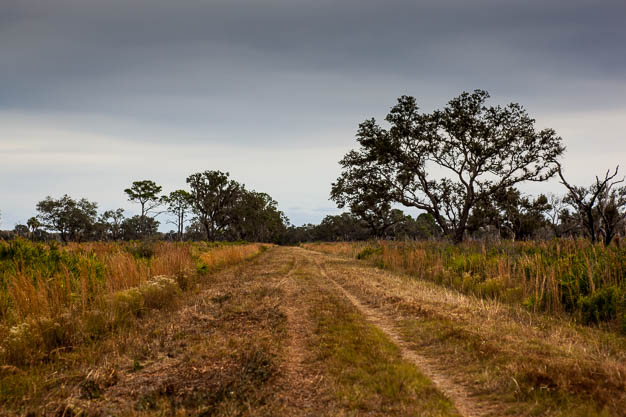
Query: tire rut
point(300, 382)
point(462, 399)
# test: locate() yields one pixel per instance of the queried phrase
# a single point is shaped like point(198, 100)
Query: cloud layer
point(106, 92)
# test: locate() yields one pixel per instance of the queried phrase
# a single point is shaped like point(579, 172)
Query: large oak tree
point(446, 161)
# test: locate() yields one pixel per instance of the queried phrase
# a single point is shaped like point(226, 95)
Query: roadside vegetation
point(511, 361)
point(55, 297)
point(563, 276)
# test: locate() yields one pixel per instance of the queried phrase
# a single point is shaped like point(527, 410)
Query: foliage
point(599, 208)
point(112, 224)
point(226, 210)
point(146, 193)
point(563, 276)
point(484, 150)
point(178, 204)
point(136, 227)
point(57, 296)
point(213, 197)
point(514, 216)
point(256, 218)
point(73, 219)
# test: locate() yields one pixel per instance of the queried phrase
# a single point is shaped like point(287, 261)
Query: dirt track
point(298, 333)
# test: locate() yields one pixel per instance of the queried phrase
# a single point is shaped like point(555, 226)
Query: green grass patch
point(369, 373)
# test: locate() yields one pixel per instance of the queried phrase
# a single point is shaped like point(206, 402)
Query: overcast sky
point(95, 94)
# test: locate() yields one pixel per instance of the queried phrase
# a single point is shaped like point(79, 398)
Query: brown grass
point(59, 297)
point(587, 282)
point(526, 363)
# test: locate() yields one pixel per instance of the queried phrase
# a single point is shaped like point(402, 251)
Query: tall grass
point(52, 295)
point(560, 276)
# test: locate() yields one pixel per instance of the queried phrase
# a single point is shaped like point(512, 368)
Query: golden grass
point(229, 255)
point(55, 297)
point(216, 353)
point(561, 276)
point(527, 363)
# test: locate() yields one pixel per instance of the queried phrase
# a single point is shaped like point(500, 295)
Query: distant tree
point(146, 193)
point(364, 191)
point(21, 230)
point(33, 224)
point(612, 211)
point(427, 227)
point(342, 227)
point(112, 221)
point(135, 227)
point(423, 227)
point(178, 203)
point(195, 230)
point(256, 217)
point(482, 150)
point(72, 219)
point(298, 234)
point(213, 198)
point(599, 207)
point(554, 215)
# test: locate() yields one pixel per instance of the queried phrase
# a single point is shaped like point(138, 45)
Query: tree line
point(460, 166)
point(214, 207)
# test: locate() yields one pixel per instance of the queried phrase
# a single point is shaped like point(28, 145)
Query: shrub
point(125, 305)
point(368, 251)
point(602, 305)
point(159, 292)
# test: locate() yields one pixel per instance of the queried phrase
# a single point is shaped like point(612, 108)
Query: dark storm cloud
point(288, 64)
point(273, 90)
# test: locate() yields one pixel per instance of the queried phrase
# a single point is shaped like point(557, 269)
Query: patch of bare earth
point(301, 385)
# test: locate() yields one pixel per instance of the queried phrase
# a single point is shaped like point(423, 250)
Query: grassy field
point(54, 297)
point(252, 330)
point(572, 277)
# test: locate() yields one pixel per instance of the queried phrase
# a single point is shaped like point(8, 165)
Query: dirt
point(302, 385)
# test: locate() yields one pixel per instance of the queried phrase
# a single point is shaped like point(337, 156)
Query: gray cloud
point(286, 74)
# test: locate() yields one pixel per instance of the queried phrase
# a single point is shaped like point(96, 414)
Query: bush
point(369, 251)
point(603, 305)
point(144, 249)
point(125, 305)
point(159, 292)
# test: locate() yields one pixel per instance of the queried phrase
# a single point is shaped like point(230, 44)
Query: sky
point(97, 94)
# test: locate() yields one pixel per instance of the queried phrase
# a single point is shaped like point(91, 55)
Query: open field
point(565, 277)
point(293, 332)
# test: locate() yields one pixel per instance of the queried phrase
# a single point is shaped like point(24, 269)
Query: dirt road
point(298, 333)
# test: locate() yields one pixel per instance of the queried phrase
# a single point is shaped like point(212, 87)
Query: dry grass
point(367, 372)
point(222, 347)
point(57, 297)
point(565, 276)
point(526, 363)
point(213, 352)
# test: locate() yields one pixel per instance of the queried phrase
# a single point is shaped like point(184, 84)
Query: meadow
point(55, 297)
point(246, 329)
point(570, 277)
